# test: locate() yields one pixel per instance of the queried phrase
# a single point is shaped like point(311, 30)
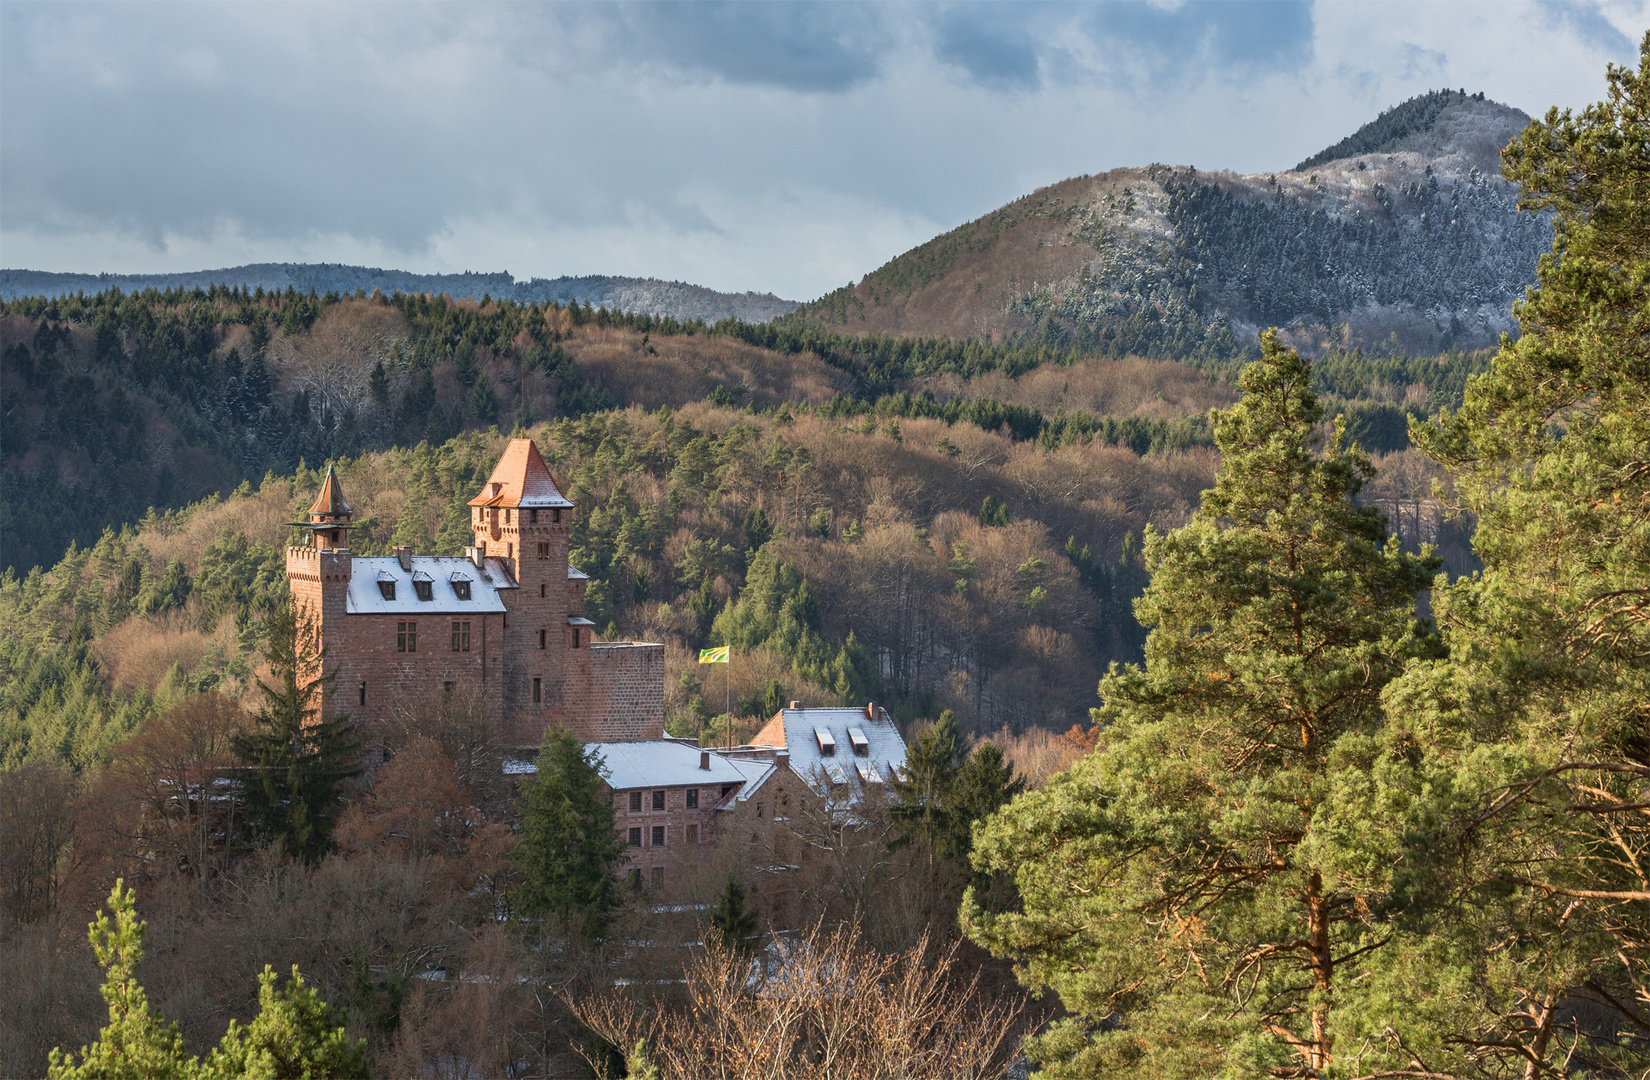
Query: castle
point(506, 618)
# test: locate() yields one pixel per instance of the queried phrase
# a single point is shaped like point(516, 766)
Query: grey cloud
point(990, 44)
point(1588, 23)
point(1240, 34)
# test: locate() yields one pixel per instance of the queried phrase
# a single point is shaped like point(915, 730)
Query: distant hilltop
point(645, 296)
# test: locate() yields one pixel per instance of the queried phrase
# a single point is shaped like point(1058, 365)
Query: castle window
point(555, 516)
point(693, 834)
point(406, 637)
point(542, 635)
point(658, 800)
point(658, 877)
point(363, 693)
point(635, 802)
point(461, 637)
point(725, 789)
point(693, 799)
point(461, 588)
point(424, 590)
point(447, 688)
point(538, 691)
point(635, 838)
point(386, 589)
point(541, 590)
point(532, 517)
point(575, 637)
point(635, 878)
point(658, 836)
point(544, 551)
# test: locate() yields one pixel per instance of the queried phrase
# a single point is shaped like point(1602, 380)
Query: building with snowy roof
point(506, 618)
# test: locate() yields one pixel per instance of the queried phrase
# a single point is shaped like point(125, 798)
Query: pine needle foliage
point(568, 848)
point(1199, 892)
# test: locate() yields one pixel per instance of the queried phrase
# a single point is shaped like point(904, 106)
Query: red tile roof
point(330, 502)
point(520, 479)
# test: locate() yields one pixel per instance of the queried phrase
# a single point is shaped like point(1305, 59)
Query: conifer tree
point(298, 755)
point(137, 1043)
point(568, 849)
point(295, 1035)
point(1534, 733)
point(732, 917)
point(1198, 892)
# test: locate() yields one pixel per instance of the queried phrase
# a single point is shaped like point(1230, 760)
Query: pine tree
point(733, 919)
point(1199, 892)
point(297, 756)
point(137, 1043)
point(295, 1036)
point(568, 849)
point(1534, 734)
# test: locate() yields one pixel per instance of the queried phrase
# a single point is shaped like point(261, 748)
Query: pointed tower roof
point(521, 478)
point(330, 502)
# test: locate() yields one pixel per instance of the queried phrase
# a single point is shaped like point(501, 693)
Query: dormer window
point(861, 745)
point(461, 588)
point(424, 590)
point(386, 589)
point(827, 745)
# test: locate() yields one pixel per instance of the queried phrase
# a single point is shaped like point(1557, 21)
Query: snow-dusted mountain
point(642, 295)
point(1405, 228)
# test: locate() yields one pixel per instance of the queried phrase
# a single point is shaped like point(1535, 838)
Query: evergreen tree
point(1199, 893)
point(568, 849)
point(733, 919)
point(137, 1044)
point(925, 784)
point(295, 1036)
point(298, 756)
point(1534, 733)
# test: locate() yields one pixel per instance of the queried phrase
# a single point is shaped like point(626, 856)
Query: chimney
point(796, 704)
point(782, 759)
point(704, 760)
point(403, 555)
point(474, 555)
point(871, 711)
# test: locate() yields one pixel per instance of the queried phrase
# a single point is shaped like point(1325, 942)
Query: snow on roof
point(366, 598)
point(884, 747)
point(657, 763)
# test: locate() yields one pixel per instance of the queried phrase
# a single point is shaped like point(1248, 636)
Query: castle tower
point(521, 518)
point(318, 572)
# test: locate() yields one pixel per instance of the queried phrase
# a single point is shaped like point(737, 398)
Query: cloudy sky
point(775, 147)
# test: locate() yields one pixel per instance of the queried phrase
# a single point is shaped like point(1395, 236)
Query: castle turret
point(318, 572)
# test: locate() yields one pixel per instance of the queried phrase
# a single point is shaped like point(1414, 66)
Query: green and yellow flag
point(718, 655)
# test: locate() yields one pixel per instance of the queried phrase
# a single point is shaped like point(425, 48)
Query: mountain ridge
point(642, 296)
point(1419, 247)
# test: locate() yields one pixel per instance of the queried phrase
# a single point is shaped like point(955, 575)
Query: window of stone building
point(555, 516)
point(693, 834)
point(636, 837)
point(447, 687)
point(542, 634)
point(658, 836)
point(693, 799)
point(635, 878)
point(725, 789)
point(363, 693)
point(424, 589)
point(386, 589)
point(544, 551)
point(635, 802)
point(406, 637)
point(532, 517)
point(538, 691)
point(541, 590)
point(658, 800)
point(658, 877)
point(461, 636)
point(461, 588)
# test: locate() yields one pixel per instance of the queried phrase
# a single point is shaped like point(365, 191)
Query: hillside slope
point(1408, 230)
point(642, 296)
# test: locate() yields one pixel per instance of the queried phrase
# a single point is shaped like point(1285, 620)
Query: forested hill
point(1402, 236)
point(643, 296)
